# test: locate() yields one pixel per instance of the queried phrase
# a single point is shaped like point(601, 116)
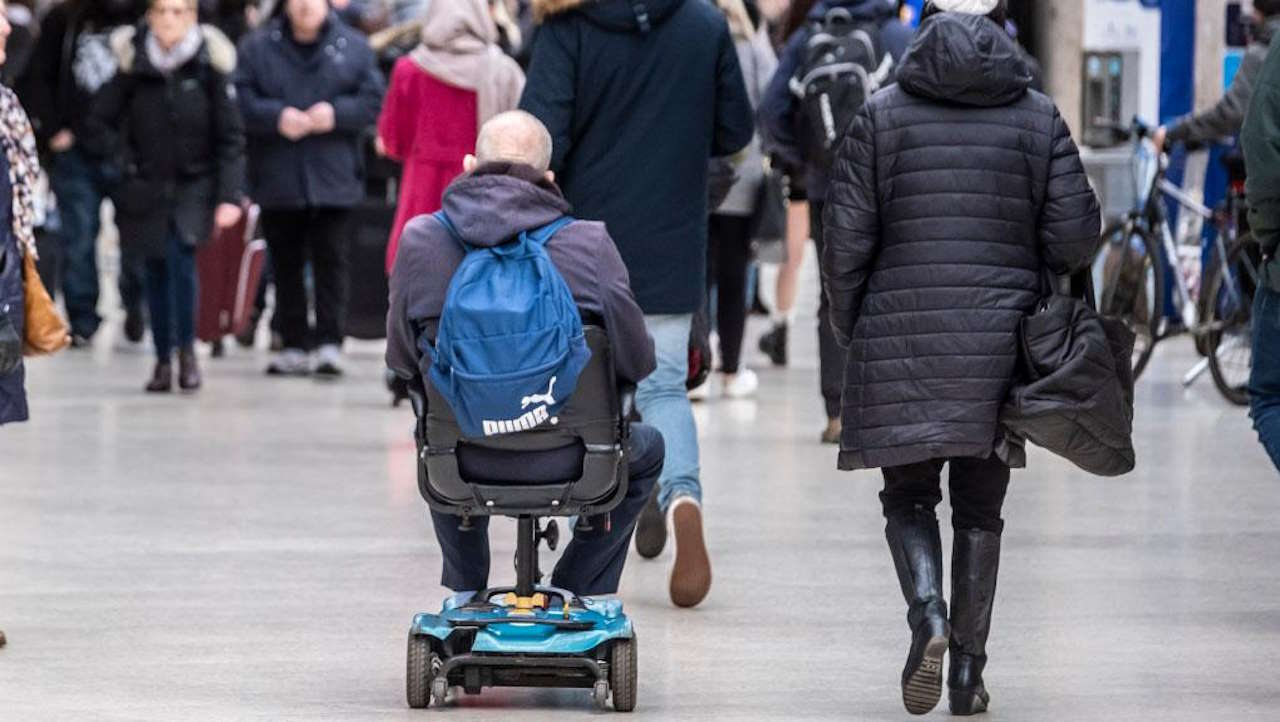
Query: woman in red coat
point(440, 95)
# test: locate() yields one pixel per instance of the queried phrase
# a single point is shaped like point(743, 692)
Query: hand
point(295, 124)
point(1160, 137)
point(62, 141)
point(322, 119)
point(226, 215)
point(380, 146)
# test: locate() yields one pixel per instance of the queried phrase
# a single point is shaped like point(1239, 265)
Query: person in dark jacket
point(170, 118)
point(19, 170)
point(308, 86)
point(17, 235)
point(1226, 116)
point(1261, 142)
point(507, 190)
point(229, 16)
point(953, 192)
point(72, 62)
point(780, 122)
point(638, 96)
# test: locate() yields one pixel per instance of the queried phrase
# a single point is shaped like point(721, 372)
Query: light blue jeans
point(663, 402)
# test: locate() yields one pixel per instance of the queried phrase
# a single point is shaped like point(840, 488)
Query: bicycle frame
point(1152, 187)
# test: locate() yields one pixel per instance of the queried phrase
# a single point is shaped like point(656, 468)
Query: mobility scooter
point(529, 635)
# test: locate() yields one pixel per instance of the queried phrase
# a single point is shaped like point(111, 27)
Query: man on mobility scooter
point(555, 443)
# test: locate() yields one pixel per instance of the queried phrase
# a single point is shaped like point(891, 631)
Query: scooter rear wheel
point(419, 671)
point(623, 674)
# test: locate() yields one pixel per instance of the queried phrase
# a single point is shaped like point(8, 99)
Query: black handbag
point(768, 223)
point(1075, 397)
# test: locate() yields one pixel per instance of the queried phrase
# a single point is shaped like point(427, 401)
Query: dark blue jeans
point(171, 296)
point(1264, 382)
point(81, 183)
point(592, 563)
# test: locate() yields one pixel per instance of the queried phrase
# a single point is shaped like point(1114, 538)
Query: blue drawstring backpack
point(510, 345)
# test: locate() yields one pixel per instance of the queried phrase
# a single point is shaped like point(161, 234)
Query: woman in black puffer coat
point(952, 191)
point(170, 119)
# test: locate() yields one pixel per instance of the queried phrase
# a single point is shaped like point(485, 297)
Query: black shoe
point(651, 528)
point(975, 561)
point(188, 370)
point(161, 378)
point(917, 556)
point(135, 325)
point(79, 341)
point(774, 344)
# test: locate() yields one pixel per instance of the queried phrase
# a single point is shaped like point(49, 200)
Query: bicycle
point(1140, 256)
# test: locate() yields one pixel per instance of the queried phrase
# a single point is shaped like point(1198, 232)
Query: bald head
point(515, 137)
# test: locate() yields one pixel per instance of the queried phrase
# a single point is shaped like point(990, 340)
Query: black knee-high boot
point(917, 555)
point(975, 560)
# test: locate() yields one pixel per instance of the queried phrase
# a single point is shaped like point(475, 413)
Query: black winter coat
point(319, 171)
point(72, 61)
point(177, 137)
point(950, 193)
point(638, 95)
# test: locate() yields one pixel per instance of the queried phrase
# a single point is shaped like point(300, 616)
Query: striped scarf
point(24, 167)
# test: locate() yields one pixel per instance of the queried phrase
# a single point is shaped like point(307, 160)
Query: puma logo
point(546, 398)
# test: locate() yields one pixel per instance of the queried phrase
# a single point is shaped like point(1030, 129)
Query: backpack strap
point(544, 234)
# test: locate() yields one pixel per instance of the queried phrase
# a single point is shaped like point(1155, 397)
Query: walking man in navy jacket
point(638, 96)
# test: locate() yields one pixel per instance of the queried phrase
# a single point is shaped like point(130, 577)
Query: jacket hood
point(859, 9)
point(618, 15)
point(497, 201)
point(126, 44)
point(965, 59)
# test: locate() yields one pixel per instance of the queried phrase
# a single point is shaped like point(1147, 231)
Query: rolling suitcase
point(230, 268)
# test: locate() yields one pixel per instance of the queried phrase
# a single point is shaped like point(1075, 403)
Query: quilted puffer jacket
point(951, 192)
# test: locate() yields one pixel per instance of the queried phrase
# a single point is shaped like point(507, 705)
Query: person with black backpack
point(459, 271)
point(848, 50)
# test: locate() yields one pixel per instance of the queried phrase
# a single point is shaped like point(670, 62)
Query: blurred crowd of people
point(685, 126)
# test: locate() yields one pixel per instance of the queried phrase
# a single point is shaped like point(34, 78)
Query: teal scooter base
point(479, 642)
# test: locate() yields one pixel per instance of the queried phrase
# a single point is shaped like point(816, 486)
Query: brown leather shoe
point(188, 370)
point(691, 570)
point(161, 379)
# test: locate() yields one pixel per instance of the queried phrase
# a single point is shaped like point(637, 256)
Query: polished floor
point(256, 552)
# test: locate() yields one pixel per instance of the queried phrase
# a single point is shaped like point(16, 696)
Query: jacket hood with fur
point(217, 47)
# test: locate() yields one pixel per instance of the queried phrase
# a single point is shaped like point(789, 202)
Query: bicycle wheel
point(1229, 338)
point(1127, 286)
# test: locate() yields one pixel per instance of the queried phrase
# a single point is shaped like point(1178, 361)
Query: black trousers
point(592, 563)
point(728, 255)
point(320, 236)
point(830, 356)
point(978, 489)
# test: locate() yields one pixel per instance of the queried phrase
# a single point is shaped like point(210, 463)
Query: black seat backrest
point(591, 421)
